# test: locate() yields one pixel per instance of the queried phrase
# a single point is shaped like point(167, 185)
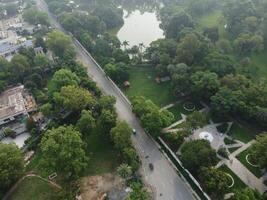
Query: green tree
point(63, 77)
point(259, 150)
point(107, 120)
point(19, 67)
point(131, 158)
point(74, 98)
point(196, 120)
point(11, 165)
point(205, 84)
point(177, 23)
point(63, 151)
point(138, 193)
point(34, 16)
point(121, 135)
point(86, 123)
point(247, 194)
point(125, 171)
point(197, 154)
point(215, 182)
point(219, 63)
point(59, 43)
point(247, 44)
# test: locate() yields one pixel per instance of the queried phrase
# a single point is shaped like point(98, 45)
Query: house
point(15, 102)
point(8, 49)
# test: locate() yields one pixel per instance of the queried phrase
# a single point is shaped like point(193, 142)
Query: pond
point(140, 27)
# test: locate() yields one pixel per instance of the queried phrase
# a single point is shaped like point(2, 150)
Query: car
point(151, 167)
point(134, 131)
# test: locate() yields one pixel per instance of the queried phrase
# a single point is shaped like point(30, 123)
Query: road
point(164, 180)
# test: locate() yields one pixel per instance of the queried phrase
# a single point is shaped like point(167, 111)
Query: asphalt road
point(165, 182)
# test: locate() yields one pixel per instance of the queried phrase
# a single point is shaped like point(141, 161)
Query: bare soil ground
point(95, 187)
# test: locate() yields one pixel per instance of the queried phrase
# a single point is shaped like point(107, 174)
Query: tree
point(196, 120)
point(131, 158)
point(74, 98)
point(63, 151)
point(117, 72)
point(59, 43)
point(219, 63)
point(212, 33)
point(138, 193)
point(259, 150)
point(19, 66)
point(205, 84)
point(125, 171)
point(215, 182)
point(86, 123)
point(191, 49)
point(107, 120)
point(11, 165)
point(177, 23)
point(61, 78)
point(34, 16)
point(247, 44)
point(125, 44)
point(196, 154)
point(121, 135)
point(247, 194)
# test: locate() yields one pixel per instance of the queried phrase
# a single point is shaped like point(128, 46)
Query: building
point(15, 102)
point(8, 49)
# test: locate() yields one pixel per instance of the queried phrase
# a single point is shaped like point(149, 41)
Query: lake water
point(140, 28)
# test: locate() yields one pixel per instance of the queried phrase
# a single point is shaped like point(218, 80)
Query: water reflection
point(140, 27)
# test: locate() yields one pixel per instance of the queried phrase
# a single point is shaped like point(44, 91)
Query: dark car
point(151, 167)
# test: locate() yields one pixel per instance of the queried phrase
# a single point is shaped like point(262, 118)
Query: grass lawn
point(213, 19)
point(143, 84)
point(259, 63)
point(103, 156)
point(33, 188)
point(240, 133)
point(222, 128)
point(228, 141)
point(231, 150)
point(239, 184)
point(242, 158)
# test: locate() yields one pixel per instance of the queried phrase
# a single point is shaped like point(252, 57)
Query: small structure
point(39, 51)
point(126, 84)
point(206, 136)
point(15, 102)
point(162, 79)
point(7, 49)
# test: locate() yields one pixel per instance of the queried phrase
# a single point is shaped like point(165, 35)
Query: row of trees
point(152, 118)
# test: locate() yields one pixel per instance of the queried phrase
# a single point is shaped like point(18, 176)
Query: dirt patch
point(95, 187)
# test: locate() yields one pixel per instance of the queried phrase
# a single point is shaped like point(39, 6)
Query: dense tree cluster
point(153, 119)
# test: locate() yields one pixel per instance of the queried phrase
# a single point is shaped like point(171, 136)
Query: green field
point(239, 184)
point(103, 156)
point(242, 158)
point(238, 132)
point(213, 19)
point(33, 188)
point(143, 83)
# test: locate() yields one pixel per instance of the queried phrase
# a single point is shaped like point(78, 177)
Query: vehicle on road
point(151, 167)
point(134, 131)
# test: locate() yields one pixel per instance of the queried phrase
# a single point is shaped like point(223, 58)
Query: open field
point(238, 132)
point(213, 19)
point(33, 188)
point(143, 84)
point(103, 156)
